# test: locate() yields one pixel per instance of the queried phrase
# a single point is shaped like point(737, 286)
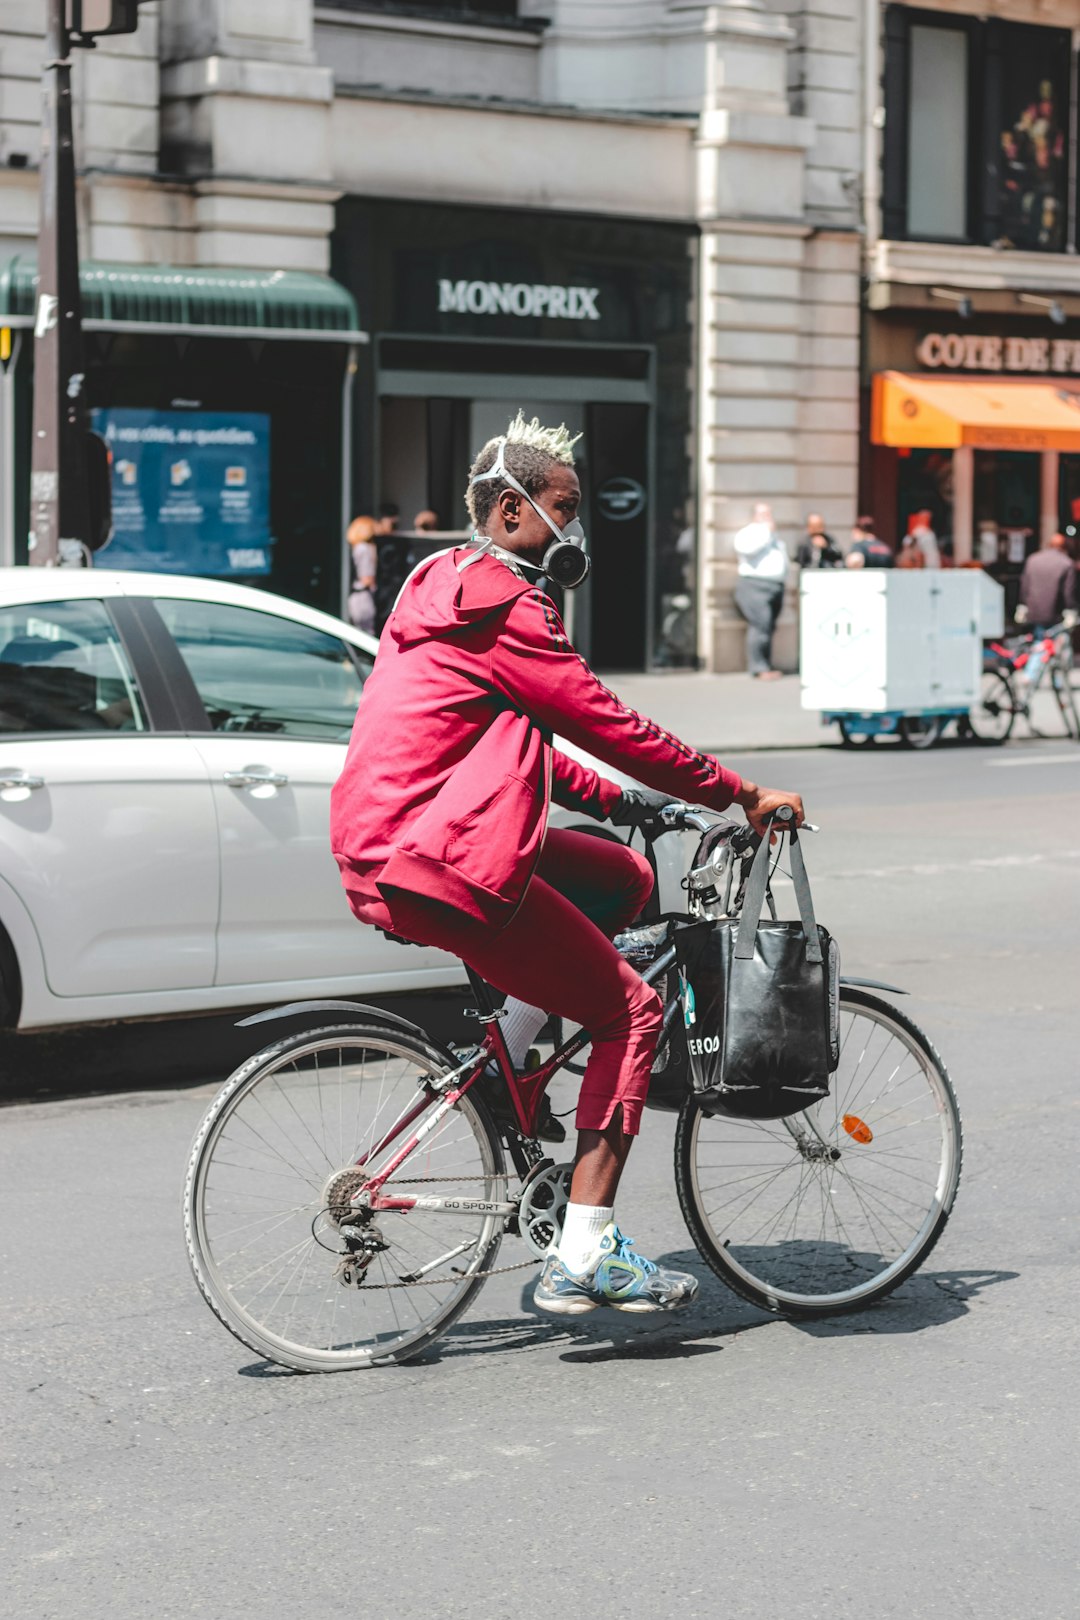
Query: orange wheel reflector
point(857, 1129)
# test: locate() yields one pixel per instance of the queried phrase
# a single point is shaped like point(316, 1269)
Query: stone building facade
point(248, 134)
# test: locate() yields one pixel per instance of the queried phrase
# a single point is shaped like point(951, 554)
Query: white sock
point(583, 1227)
point(520, 1027)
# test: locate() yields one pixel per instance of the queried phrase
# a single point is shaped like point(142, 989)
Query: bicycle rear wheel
point(1066, 701)
point(266, 1202)
point(833, 1208)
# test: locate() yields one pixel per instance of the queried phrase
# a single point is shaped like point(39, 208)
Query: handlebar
point(683, 818)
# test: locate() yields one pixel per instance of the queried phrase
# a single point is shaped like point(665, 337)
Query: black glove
point(639, 807)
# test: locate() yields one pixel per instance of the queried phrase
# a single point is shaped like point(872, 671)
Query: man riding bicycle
point(438, 823)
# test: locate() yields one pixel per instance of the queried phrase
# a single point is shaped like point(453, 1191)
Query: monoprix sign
point(519, 298)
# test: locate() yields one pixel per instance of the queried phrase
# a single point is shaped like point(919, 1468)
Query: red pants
point(557, 954)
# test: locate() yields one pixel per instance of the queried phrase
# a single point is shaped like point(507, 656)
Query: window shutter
point(987, 227)
point(894, 154)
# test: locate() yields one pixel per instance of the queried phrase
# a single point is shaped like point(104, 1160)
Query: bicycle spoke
point(267, 1249)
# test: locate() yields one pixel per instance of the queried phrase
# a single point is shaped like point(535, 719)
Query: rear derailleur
point(362, 1244)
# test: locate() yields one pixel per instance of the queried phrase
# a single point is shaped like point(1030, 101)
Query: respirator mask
point(565, 562)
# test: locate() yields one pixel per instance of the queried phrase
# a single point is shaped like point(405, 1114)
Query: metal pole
point(59, 507)
point(7, 453)
point(348, 388)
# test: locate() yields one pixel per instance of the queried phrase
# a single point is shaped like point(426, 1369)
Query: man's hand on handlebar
point(760, 803)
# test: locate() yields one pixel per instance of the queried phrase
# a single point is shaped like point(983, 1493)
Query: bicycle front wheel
point(991, 718)
point(832, 1208)
point(267, 1210)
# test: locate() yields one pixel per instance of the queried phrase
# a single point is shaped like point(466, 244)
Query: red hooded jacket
point(450, 768)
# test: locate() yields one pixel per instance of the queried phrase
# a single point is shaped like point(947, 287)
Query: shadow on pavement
point(928, 1300)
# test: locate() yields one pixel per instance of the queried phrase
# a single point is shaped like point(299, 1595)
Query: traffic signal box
point(87, 18)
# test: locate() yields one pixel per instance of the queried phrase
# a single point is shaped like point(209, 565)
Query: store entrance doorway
point(426, 444)
point(1007, 500)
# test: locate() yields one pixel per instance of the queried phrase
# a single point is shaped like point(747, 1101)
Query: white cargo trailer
point(886, 650)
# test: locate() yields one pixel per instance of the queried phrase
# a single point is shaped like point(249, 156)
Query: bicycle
point(1013, 671)
point(348, 1191)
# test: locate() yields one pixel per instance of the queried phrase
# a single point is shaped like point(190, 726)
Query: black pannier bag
point(761, 1002)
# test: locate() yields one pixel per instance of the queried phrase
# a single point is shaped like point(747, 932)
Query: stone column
point(963, 507)
point(243, 97)
point(751, 163)
point(1049, 478)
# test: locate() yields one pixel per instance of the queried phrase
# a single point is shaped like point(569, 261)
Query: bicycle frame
point(525, 1091)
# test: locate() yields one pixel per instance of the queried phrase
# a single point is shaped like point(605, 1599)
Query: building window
point(1033, 160)
point(937, 191)
point(474, 11)
point(976, 131)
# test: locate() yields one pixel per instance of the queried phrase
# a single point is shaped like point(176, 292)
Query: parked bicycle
point(349, 1189)
point(1013, 671)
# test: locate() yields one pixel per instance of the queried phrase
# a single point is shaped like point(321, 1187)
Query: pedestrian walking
point(759, 590)
point(360, 608)
point(867, 551)
point(817, 549)
point(910, 555)
point(1048, 589)
point(920, 547)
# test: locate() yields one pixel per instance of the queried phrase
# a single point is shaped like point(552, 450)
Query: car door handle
point(256, 776)
point(19, 779)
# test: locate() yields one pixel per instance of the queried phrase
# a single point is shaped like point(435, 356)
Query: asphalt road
point(917, 1460)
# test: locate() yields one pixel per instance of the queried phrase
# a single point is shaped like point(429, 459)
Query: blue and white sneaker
point(621, 1279)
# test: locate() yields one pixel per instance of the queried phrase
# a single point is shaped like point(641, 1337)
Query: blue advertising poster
point(191, 491)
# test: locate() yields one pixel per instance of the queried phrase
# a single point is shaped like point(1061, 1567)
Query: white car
point(167, 749)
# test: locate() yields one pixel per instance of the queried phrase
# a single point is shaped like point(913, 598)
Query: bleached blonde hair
point(532, 451)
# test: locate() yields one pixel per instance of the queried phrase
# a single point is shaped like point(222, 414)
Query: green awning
point(210, 303)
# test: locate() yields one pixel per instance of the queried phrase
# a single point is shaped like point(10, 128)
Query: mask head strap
point(499, 469)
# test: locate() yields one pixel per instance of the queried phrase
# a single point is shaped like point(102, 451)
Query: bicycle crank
point(543, 1205)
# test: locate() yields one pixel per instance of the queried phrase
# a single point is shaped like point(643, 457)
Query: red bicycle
point(349, 1189)
point(1013, 671)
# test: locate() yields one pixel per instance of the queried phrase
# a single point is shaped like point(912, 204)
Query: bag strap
point(803, 898)
point(754, 899)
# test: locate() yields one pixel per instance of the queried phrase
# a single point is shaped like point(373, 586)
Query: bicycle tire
point(730, 1264)
point(991, 720)
point(207, 1266)
point(1066, 702)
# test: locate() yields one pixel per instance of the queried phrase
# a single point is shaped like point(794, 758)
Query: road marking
point(936, 868)
point(1037, 759)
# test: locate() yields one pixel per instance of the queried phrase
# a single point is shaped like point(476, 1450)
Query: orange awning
point(943, 413)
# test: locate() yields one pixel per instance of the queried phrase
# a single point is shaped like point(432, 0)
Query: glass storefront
point(477, 313)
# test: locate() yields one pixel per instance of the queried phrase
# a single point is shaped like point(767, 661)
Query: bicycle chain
point(494, 1271)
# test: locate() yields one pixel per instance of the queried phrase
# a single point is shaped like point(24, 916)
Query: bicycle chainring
point(543, 1205)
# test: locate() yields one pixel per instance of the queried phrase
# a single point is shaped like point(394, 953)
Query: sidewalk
point(734, 714)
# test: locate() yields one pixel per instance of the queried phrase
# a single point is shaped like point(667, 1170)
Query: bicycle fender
point(873, 984)
point(354, 1009)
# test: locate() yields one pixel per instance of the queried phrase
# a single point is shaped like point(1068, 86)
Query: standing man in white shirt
point(759, 592)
